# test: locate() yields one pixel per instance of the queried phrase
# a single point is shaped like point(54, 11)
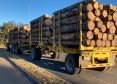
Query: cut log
point(96, 5)
point(110, 17)
point(89, 15)
point(93, 43)
point(88, 42)
point(112, 30)
point(96, 31)
point(98, 43)
point(108, 25)
point(100, 6)
point(108, 43)
point(87, 8)
point(89, 25)
point(108, 7)
point(104, 14)
point(115, 37)
point(112, 23)
point(103, 43)
point(100, 35)
point(97, 12)
point(115, 16)
point(90, 35)
point(110, 37)
point(114, 43)
point(116, 23)
point(99, 24)
point(103, 28)
point(105, 36)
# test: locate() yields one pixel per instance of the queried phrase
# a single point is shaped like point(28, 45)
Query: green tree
point(4, 31)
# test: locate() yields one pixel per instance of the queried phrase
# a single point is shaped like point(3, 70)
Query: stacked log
point(99, 24)
point(41, 30)
point(21, 35)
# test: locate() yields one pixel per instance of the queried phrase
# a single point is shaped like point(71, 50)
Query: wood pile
point(21, 35)
point(98, 22)
point(41, 30)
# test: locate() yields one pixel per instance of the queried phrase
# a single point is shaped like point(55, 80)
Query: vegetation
point(4, 29)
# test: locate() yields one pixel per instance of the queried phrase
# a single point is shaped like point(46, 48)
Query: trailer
point(18, 39)
point(79, 55)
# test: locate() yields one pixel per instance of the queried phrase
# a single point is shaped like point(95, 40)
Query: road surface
point(9, 74)
point(87, 76)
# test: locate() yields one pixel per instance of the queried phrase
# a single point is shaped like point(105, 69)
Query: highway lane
point(87, 76)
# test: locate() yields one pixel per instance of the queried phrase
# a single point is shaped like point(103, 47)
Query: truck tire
point(17, 50)
point(71, 66)
point(103, 68)
point(13, 49)
point(53, 56)
point(8, 47)
point(36, 54)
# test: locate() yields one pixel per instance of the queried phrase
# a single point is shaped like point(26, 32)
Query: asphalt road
point(87, 76)
point(9, 74)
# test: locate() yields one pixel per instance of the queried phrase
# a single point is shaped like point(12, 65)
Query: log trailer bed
point(18, 39)
point(79, 56)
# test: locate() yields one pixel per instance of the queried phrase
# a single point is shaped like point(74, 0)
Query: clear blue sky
point(26, 10)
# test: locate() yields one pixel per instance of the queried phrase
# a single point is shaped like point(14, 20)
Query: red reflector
point(103, 53)
point(97, 53)
point(101, 65)
point(93, 65)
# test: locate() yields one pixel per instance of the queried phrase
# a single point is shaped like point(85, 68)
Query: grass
point(38, 73)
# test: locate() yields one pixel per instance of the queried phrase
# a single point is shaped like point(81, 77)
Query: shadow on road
point(46, 63)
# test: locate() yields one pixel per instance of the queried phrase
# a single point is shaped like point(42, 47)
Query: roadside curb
point(23, 72)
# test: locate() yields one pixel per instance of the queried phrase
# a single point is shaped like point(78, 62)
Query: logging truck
point(85, 31)
point(18, 39)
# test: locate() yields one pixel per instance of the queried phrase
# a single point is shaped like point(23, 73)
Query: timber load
point(98, 23)
point(41, 30)
point(20, 35)
point(90, 20)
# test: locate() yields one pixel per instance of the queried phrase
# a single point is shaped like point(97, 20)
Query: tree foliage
point(4, 29)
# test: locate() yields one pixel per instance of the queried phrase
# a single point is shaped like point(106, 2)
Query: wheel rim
point(70, 65)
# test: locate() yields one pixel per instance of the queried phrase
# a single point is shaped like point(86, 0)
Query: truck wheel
point(70, 65)
point(17, 50)
point(53, 56)
point(36, 54)
point(103, 68)
point(8, 47)
point(13, 48)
